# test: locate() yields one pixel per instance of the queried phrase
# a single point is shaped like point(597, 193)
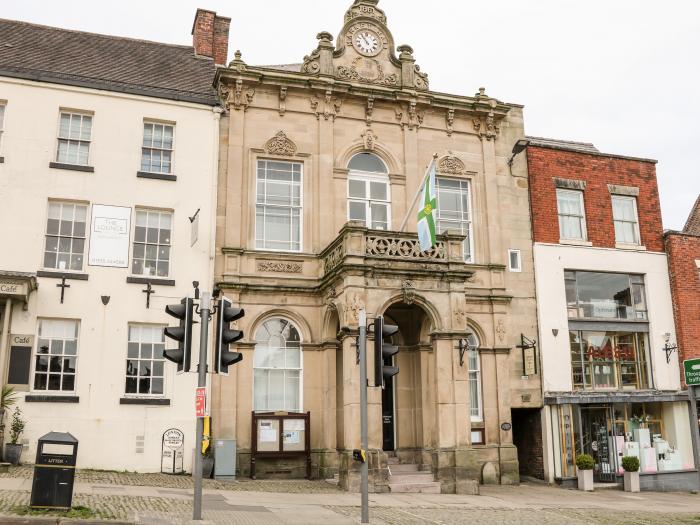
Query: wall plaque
point(109, 236)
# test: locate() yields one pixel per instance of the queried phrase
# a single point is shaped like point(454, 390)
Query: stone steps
point(409, 479)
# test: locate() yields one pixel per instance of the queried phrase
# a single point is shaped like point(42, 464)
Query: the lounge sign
point(109, 236)
point(10, 287)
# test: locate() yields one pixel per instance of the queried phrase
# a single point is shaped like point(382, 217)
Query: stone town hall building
point(319, 164)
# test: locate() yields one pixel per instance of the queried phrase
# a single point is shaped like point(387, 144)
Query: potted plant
point(631, 466)
point(584, 464)
point(13, 450)
point(8, 397)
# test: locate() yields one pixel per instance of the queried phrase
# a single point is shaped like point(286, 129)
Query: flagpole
point(415, 198)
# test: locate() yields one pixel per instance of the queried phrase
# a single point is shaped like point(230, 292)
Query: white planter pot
point(585, 480)
point(631, 481)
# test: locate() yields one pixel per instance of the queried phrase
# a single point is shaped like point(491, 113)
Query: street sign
point(692, 371)
point(201, 402)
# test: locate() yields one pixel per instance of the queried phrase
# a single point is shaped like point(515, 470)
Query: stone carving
point(399, 116)
point(280, 144)
point(450, 121)
point(459, 315)
point(369, 139)
point(312, 64)
point(368, 70)
point(415, 119)
point(369, 110)
point(279, 266)
point(421, 79)
point(451, 165)
point(488, 129)
point(409, 291)
point(237, 63)
point(402, 248)
point(354, 306)
point(237, 97)
point(333, 259)
point(501, 330)
point(330, 297)
point(283, 98)
point(331, 107)
point(367, 9)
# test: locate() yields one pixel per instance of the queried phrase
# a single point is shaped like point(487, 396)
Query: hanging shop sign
point(109, 236)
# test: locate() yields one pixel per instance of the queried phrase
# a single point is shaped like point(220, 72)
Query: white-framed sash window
point(454, 210)
point(56, 355)
point(145, 364)
point(152, 243)
point(625, 219)
point(572, 215)
point(157, 148)
point(279, 206)
point(369, 201)
point(74, 135)
point(64, 246)
point(277, 364)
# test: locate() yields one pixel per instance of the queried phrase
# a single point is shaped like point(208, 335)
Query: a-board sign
point(173, 452)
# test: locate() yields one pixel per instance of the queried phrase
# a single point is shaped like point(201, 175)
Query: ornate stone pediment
point(365, 52)
point(280, 144)
point(451, 165)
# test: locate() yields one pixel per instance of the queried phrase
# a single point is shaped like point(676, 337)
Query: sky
point(622, 74)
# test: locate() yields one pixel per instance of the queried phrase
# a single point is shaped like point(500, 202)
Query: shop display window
point(599, 295)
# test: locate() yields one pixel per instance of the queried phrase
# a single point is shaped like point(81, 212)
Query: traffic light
point(383, 351)
point(223, 357)
point(182, 334)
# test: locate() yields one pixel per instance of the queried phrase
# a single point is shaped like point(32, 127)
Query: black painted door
point(388, 412)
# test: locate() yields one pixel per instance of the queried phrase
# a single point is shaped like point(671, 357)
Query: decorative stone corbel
point(399, 116)
point(450, 121)
point(241, 100)
point(415, 120)
point(331, 107)
point(409, 291)
point(283, 98)
point(369, 110)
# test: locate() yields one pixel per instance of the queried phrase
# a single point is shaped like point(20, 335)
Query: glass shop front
point(658, 433)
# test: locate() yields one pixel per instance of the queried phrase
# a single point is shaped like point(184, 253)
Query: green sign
point(692, 371)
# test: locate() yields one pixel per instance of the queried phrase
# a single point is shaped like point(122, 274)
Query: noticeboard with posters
point(279, 435)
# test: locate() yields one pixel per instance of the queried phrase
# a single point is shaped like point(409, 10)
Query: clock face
point(367, 42)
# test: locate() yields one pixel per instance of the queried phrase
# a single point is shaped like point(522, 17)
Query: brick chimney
point(210, 35)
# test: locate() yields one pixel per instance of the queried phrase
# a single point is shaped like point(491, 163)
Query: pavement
point(303, 502)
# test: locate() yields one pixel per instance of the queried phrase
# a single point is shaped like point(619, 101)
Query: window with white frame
point(369, 198)
point(515, 261)
point(74, 133)
point(474, 363)
point(157, 149)
point(144, 361)
point(572, 215)
point(625, 219)
point(64, 248)
point(454, 210)
point(2, 121)
point(278, 210)
point(277, 367)
point(56, 355)
point(152, 233)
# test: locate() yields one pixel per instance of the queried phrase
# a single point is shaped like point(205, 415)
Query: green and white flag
point(426, 218)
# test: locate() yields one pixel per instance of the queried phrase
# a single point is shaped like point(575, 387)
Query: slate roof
point(50, 54)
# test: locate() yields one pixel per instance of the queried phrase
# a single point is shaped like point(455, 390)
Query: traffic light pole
point(204, 309)
point(364, 467)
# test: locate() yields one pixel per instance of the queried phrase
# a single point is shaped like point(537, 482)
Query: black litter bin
point(54, 471)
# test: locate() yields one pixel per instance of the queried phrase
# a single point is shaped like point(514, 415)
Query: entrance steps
point(407, 478)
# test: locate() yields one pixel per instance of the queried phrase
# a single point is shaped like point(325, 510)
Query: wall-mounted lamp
point(555, 332)
point(463, 346)
point(669, 348)
point(105, 300)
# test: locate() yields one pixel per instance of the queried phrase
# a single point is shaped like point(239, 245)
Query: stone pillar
point(408, 66)
point(325, 50)
point(324, 453)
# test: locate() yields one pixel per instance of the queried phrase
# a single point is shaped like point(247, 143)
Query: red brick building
point(683, 250)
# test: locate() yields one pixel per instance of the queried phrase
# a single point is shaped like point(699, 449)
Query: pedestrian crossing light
point(182, 334)
point(225, 315)
point(384, 352)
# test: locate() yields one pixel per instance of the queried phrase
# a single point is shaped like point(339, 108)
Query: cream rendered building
point(101, 169)
point(319, 165)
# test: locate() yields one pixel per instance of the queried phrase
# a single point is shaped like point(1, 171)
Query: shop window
point(598, 295)
point(277, 364)
point(56, 356)
point(278, 209)
point(608, 360)
point(64, 246)
point(572, 215)
point(152, 234)
point(144, 361)
point(454, 210)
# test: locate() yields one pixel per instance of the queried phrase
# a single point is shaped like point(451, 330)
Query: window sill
point(155, 281)
point(72, 167)
point(634, 247)
point(144, 401)
point(158, 176)
point(57, 274)
point(40, 398)
point(574, 242)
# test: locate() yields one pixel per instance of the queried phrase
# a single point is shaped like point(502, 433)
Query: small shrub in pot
point(630, 463)
point(585, 462)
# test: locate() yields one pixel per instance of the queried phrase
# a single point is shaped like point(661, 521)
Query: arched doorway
point(403, 397)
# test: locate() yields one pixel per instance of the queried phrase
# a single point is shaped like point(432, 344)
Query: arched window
point(474, 362)
point(369, 193)
point(277, 367)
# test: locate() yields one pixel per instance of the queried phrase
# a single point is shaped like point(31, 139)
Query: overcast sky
point(623, 74)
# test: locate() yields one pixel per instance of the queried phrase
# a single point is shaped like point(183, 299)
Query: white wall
point(550, 263)
point(107, 430)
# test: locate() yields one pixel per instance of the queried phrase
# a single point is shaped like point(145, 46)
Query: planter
point(585, 480)
point(13, 453)
point(207, 467)
point(631, 481)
